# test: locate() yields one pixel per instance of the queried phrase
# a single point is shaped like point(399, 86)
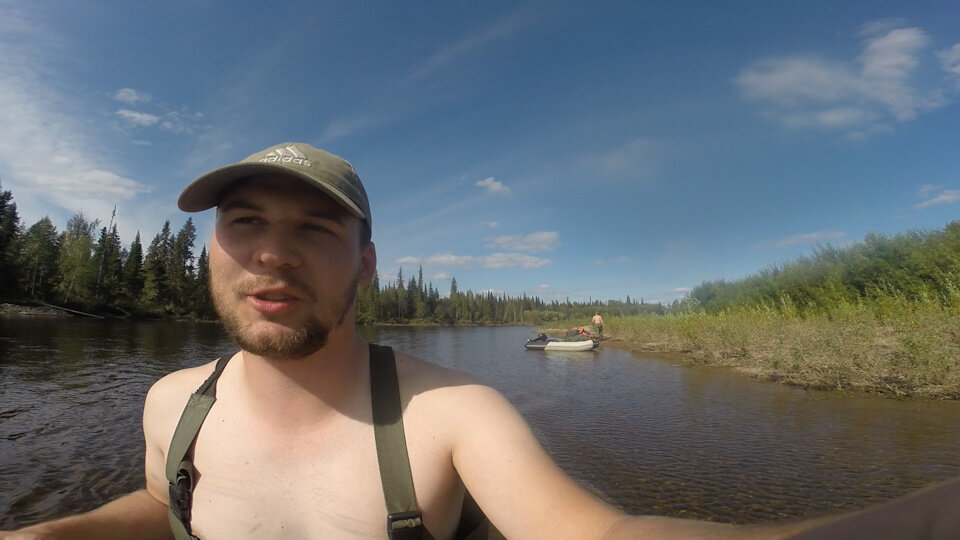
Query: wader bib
point(404, 521)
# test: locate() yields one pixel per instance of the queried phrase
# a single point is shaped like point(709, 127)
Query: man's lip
point(276, 292)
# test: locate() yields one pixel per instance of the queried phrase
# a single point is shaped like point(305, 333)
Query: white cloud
point(926, 189)
point(138, 118)
point(513, 260)
point(950, 61)
point(181, 122)
point(800, 239)
point(47, 151)
point(493, 224)
point(859, 97)
point(492, 261)
point(131, 96)
point(492, 186)
point(408, 260)
point(533, 242)
point(947, 196)
point(441, 276)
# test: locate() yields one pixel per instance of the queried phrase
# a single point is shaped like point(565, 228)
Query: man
point(288, 449)
point(598, 323)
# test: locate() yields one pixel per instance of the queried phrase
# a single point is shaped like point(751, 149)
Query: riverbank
point(905, 351)
point(17, 310)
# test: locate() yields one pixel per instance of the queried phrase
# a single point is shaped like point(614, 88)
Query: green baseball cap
point(331, 174)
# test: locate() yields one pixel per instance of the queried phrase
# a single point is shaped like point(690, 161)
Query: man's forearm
point(137, 515)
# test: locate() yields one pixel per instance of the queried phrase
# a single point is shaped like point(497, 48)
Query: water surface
point(648, 435)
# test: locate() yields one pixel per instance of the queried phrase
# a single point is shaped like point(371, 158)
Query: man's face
point(285, 261)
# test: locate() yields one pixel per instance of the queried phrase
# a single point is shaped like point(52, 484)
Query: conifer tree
point(133, 270)
point(154, 295)
point(181, 281)
point(9, 243)
point(203, 305)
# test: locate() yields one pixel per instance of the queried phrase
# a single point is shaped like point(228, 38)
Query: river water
point(648, 435)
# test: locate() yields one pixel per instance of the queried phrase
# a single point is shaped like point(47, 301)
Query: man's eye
point(246, 220)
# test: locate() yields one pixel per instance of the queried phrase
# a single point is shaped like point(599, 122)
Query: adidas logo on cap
point(287, 154)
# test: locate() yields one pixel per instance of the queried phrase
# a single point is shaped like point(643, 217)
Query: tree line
point(85, 266)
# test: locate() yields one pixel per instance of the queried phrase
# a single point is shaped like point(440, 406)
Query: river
point(648, 435)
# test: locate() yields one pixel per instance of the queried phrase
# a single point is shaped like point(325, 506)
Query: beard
point(286, 342)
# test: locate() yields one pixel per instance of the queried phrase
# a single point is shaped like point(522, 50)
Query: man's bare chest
point(262, 481)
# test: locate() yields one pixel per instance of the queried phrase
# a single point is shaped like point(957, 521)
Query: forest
point(86, 267)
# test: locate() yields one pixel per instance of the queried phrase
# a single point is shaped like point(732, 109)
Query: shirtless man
point(288, 449)
point(598, 322)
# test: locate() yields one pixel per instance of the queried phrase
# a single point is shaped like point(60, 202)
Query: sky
point(564, 150)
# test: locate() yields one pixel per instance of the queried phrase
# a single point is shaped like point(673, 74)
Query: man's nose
point(278, 249)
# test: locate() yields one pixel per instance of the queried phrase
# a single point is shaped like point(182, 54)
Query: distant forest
point(86, 267)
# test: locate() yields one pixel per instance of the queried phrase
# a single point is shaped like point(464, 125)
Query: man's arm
point(136, 515)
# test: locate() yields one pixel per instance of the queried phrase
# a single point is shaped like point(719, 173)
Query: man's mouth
point(272, 300)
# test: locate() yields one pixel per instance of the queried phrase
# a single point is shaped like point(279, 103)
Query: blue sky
point(559, 149)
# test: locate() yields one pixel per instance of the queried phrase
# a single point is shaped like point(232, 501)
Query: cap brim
point(205, 192)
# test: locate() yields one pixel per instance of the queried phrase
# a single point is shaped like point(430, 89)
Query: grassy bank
point(890, 347)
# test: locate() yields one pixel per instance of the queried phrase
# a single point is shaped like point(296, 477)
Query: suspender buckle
point(406, 524)
point(181, 496)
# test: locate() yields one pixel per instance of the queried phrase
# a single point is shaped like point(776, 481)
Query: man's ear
point(368, 264)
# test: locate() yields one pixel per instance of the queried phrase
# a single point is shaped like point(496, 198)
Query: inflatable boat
point(544, 342)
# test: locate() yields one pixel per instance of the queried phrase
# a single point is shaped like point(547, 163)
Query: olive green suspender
point(404, 521)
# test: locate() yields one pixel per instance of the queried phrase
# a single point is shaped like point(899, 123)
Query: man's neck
point(311, 388)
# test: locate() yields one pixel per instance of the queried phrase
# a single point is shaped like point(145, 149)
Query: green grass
point(885, 346)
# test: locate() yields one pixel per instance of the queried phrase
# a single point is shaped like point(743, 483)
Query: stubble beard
point(291, 342)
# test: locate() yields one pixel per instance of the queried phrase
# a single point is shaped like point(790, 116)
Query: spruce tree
point(9, 244)
point(133, 271)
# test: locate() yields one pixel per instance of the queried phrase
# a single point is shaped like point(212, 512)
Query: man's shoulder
point(441, 389)
point(169, 395)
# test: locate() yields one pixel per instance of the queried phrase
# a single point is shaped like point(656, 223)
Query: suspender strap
point(179, 469)
point(404, 521)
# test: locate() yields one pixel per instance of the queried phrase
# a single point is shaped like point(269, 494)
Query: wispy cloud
point(339, 128)
point(946, 196)
point(138, 118)
point(533, 242)
point(860, 97)
point(926, 189)
point(801, 239)
point(638, 157)
point(407, 260)
point(48, 153)
point(950, 62)
point(492, 261)
point(131, 96)
point(182, 121)
point(449, 54)
point(493, 186)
